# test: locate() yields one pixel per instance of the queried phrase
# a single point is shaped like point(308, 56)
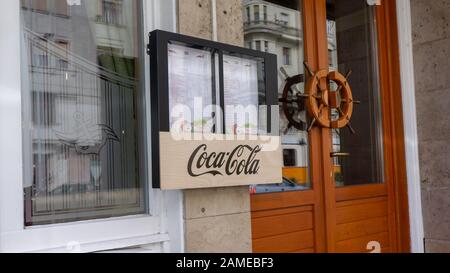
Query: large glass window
point(82, 110)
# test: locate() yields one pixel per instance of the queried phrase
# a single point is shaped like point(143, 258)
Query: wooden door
point(355, 203)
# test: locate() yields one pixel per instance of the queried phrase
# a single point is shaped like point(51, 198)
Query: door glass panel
point(352, 37)
point(275, 26)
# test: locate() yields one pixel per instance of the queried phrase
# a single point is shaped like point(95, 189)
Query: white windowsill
point(86, 236)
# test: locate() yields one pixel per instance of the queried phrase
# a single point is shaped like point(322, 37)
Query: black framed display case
point(184, 67)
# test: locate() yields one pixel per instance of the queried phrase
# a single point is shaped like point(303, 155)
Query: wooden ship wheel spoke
point(340, 100)
point(318, 99)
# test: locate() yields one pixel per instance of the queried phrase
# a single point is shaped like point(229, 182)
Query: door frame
point(324, 196)
point(393, 116)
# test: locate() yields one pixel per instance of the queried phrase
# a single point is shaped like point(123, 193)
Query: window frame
point(64, 10)
point(265, 15)
point(256, 13)
point(248, 14)
point(287, 56)
point(83, 236)
point(258, 45)
point(285, 18)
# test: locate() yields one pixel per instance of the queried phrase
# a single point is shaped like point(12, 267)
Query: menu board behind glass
point(192, 82)
point(243, 79)
point(191, 89)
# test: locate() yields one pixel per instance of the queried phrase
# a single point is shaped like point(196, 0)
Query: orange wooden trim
point(359, 245)
point(361, 201)
point(282, 224)
point(275, 212)
point(311, 55)
point(395, 162)
point(386, 250)
point(261, 202)
point(361, 212)
point(325, 133)
point(361, 228)
point(386, 118)
point(308, 250)
point(284, 243)
point(360, 192)
point(401, 185)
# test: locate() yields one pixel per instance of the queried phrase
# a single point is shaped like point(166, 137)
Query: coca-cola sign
point(242, 160)
point(207, 163)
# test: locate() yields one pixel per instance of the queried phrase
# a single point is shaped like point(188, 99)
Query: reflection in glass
point(191, 88)
point(353, 45)
point(244, 92)
point(275, 26)
point(81, 111)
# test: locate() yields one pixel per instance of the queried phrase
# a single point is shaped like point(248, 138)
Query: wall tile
point(212, 202)
point(430, 20)
point(230, 24)
point(431, 38)
point(432, 65)
point(436, 213)
point(434, 163)
point(435, 246)
point(194, 18)
point(433, 117)
point(227, 233)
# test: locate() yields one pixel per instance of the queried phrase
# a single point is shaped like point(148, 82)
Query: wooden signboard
point(218, 163)
point(198, 141)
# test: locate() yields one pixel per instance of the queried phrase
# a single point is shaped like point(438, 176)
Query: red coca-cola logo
point(242, 160)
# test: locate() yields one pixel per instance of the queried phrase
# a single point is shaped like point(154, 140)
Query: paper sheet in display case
point(241, 92)
point(190, 79)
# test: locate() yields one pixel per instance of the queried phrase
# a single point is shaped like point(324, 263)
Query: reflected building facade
point(276, 26)
point(82, 114)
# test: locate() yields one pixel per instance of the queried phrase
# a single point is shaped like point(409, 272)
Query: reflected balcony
point(278, 28)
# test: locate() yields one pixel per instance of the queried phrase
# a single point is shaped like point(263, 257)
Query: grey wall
point(431, 38)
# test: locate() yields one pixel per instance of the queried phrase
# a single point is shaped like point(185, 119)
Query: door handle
point(339, 154)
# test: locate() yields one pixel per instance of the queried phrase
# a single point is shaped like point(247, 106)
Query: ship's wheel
point(319, 99)
point(292, 102)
